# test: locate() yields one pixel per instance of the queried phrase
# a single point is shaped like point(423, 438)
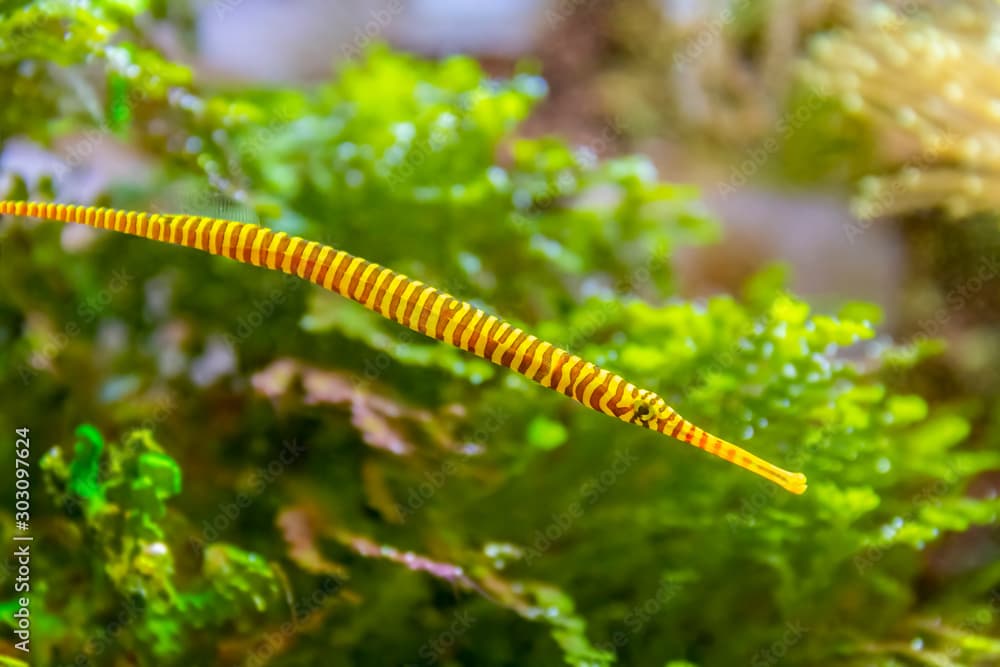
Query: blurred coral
point(926, 83)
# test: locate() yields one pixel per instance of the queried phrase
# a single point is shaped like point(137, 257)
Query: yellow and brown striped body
point(419, 307)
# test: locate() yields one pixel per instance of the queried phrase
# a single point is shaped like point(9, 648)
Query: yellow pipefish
point(421, 308)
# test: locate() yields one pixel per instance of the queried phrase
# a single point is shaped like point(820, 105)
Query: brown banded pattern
point(421, 308)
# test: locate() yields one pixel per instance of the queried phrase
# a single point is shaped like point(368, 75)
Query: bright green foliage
point(121, 500)
point(83, 479)
point(355, 494)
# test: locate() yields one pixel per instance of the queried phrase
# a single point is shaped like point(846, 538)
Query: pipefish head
point(645, 409)
point(650, 411)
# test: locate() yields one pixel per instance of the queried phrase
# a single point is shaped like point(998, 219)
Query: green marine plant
point(115, 504)
point(461, 515)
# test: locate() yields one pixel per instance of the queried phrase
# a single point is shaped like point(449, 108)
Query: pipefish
point(421, 308)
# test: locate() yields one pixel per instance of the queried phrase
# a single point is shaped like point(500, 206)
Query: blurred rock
point(284, 41)
point(832, 255)
point(294, 41)
point(488, 27)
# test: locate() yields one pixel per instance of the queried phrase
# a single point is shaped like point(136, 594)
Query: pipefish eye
point(642, 410)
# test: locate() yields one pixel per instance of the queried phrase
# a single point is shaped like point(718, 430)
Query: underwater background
point(781, 217)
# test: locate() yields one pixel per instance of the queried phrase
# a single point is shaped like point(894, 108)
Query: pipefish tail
point(421, 308)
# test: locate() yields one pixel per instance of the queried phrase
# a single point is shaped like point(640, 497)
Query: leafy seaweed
point(353, 490)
